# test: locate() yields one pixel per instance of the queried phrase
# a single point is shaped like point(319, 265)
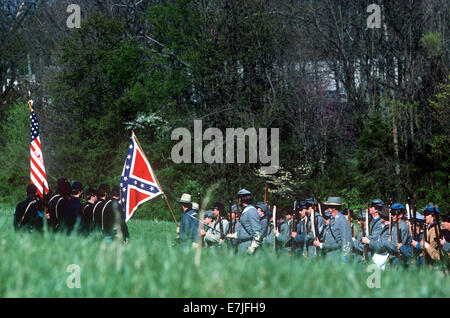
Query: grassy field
point(35, 265)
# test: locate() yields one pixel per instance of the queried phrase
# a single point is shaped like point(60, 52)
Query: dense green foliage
point(149, 266)
point(382, 131)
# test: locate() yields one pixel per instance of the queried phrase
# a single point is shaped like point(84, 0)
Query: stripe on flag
point(37, 169)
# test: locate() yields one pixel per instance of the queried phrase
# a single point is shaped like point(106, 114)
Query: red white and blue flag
point(37, 174)
point(138, 183)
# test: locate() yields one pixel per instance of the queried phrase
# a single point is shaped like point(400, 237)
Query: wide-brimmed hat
point(244, 192)
point(195, 206)
point(185, 198)
point(333, 201)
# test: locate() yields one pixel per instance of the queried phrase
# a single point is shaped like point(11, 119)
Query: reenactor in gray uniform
point(283, 232)
point(375, 226)
point(416, 240)
point(445, 241)
point(399, 242)
point(319, 227)
point(207, 232)
point(446, 236)
point(215, 237)
point(300, 234)
point(337, 239)
point(268, 236)
point(249, 232)
point(262, 209)
point(189, 222)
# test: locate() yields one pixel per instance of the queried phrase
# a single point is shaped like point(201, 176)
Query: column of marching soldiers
point(64, 211)
point(385, 234)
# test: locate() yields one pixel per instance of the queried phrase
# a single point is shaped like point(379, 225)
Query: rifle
point(293, 227)
point(44, 201)
point(399, 255)
point(200, 217)
point(415, 220)
point(230, 227)
point(390, 219)
point(408, 209)
point(274, 227)
point(266, 195)
point(320, 206)
point(423, 245)
point(349, 218)
point(313, 225)
point(437, 229)
point(365, 231)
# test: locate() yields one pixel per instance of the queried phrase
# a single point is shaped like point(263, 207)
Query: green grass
point(35, 265)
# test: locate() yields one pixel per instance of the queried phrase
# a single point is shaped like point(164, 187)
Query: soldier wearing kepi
point(300, 235)
point(249, 232)
point(283, 232)
point(377, 244)
point(103, 193)
point(338, 238)
point(28, 215)
point(189, 221)
point(317, 229)
point(375, 226)
point(399, 241)
point(88, 211)
point(445, 241)
point(57, 203)
point(433, 253)
point(417, 238)
point(210, 237)
point(220, 226)
point(262, 209)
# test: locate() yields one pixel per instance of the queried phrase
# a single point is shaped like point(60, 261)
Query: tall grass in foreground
point(34, 265)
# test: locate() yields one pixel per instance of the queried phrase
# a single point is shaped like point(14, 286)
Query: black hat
point(219, 206)
point(115, 191)
point(65, 189)
point(77, 186)
point(60, 184)
point(90, 192)
point(103, 189)
point(31, 190)
point(446, 218)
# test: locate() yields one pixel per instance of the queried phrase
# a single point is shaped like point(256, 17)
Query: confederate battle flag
point(138, 182)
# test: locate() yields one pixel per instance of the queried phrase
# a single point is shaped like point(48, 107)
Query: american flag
point(138, 183)
point(37, 173)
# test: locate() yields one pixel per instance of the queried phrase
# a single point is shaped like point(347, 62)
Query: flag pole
point(156, 178)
